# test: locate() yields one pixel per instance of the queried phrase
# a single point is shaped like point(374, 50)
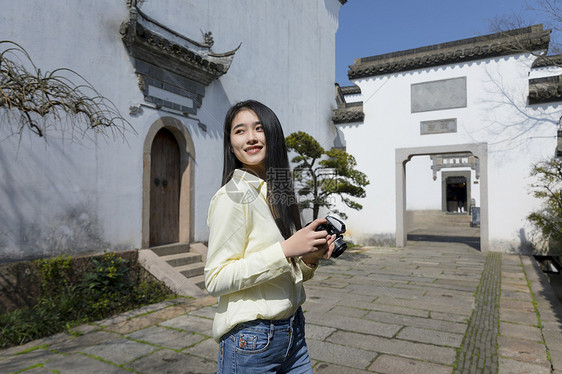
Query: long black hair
point(280, 193)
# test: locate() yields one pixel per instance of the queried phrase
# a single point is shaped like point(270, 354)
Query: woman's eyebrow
point(243, 124)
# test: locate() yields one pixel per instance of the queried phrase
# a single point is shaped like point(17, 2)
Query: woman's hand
point(309, 243)
point(313, 258)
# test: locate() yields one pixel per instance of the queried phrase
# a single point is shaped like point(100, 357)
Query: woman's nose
point(252, 137)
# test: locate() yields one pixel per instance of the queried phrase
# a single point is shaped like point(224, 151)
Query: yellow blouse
point(246, 267)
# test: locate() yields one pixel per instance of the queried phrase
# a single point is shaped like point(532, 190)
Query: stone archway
point(178, 131)
point(403, 155)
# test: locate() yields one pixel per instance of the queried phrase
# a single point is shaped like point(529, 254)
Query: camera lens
point(339, 247)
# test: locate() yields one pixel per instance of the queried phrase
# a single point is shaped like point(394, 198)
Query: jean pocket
point(252, 342)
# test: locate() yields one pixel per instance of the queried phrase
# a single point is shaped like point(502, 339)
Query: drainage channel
point(479, 347)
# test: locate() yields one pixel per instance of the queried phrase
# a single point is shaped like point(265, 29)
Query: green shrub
point(71, 295)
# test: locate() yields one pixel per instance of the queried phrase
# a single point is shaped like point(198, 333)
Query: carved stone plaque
point(441, 126)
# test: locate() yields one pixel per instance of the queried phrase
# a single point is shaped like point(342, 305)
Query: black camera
point(335, 226)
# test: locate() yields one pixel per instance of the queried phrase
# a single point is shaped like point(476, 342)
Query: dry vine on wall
point(46, 101)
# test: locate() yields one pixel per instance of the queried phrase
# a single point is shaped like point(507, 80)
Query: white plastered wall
point(60, 196)
point(497, 114)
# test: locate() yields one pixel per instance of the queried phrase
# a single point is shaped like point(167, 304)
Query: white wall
point(88, 196)
point(497, 114)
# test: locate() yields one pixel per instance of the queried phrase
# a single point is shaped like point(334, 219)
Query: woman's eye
point(259, 128)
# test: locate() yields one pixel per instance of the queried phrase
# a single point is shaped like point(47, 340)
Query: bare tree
point(37, 101)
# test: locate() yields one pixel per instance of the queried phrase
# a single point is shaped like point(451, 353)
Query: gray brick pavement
point(383, 310)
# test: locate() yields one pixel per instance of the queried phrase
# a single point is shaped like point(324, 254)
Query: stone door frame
point(403, 155)
point(187, 172)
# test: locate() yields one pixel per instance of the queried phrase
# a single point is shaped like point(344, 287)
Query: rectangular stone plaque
point(439, 95)
point(440, 126)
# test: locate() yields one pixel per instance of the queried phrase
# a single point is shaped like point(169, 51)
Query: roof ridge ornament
point(149, 40)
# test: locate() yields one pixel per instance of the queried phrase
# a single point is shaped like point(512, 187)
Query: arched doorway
point(167, 184)
point(164, 189)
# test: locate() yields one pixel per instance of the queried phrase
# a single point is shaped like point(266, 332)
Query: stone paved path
point(375, 310)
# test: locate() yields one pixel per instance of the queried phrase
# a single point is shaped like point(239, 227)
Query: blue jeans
point(264, 346)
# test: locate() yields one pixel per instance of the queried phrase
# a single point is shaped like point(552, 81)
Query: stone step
point(192, 270)
point(199, 281)
point(180, 259)
point(171, 249)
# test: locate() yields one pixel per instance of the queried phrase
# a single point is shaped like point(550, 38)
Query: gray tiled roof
point(545, 61)
point(545, 90)
point(348, 113)
point(532, 38)
point(351, 90)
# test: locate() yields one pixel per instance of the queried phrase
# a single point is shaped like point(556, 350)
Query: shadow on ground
point(471, 241)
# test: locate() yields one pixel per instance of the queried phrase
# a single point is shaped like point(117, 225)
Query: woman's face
point(247, 140)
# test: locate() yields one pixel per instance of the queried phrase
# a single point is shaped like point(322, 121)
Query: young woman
point(258, 254)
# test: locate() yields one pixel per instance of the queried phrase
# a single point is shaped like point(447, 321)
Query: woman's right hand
point(306, 240)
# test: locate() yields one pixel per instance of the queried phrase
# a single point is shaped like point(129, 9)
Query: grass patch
point(77, 292)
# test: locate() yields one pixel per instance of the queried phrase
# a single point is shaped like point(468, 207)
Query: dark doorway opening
point(456, 195)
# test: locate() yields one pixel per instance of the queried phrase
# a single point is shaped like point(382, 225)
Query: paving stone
point(165, 337)
point(466, 296)
point(84, 329)
point(417, 322)
point(79, 363)
point(133, 324)
point(522, 350)
point(398, 365)
point(374, 290)
point(318, 332)
point(449, 317)
point(348, 312)
point(422, 351)
point(354, 324)
point(517, 316)
point(521, 305)
point(337, 295)
point(507, 366)
point(514, 330)
point(524, 295)
point(38, 370)
point(207, 349)
point(39, 343)
point(556, 357)
point(515, 287)
point(340, 354)
point(82, 342)
point(16, 363)
point(191, 324)
point(120, 351)
point(208, 312)
point(325, 368)
point(431, 336)
point(396, 310)
point(427, 305)
point(170, 362)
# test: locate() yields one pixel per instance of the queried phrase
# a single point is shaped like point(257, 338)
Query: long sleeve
point(232, 265)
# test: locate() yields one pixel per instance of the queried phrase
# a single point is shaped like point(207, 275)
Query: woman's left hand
point(325, 252)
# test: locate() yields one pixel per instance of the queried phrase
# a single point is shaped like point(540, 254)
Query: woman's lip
point(253, 149)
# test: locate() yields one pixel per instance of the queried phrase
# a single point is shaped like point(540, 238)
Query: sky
point(373, 27)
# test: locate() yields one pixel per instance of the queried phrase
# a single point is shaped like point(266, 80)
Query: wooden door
point(164, 189)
